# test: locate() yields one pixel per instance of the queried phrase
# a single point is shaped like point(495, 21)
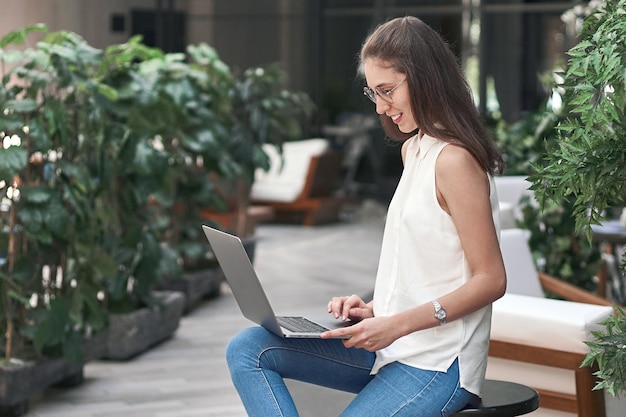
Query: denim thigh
point(400, 390)
point(259, 361)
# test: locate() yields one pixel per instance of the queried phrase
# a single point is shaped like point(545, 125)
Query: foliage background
point(558, 249)
point(586, 164)
point(107, 162)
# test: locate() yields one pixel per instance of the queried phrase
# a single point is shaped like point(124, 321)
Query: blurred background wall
point(504, 44)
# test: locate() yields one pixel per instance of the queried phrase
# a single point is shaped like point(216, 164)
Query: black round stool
point(503, 399)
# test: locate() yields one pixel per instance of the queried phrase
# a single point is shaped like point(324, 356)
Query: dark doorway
point(163, 29)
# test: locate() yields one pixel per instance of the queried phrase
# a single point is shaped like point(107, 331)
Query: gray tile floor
point(186, 376)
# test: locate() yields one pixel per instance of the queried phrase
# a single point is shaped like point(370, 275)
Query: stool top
point(504, 399)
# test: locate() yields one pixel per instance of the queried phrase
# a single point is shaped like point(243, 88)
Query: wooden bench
point(539, 341)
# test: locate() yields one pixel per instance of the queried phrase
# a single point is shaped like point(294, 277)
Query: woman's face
point(382, 78)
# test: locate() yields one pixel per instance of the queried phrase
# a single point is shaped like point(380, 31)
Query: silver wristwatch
point(440, 313)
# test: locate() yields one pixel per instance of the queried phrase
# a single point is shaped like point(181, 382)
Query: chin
point(407, 130)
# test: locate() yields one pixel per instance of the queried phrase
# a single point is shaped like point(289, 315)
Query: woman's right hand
point(350, 308)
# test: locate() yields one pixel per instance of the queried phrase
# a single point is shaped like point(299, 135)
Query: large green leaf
point(18, 36)
point(149, 161)
point(57, 219)
point(51, 329)
point(145, 271)
point(21, 106)
point(12, 161)
point(36, 194)
point(22, 273)
point(73, 347)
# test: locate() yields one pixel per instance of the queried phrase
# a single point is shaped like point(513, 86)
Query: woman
point(419, 348)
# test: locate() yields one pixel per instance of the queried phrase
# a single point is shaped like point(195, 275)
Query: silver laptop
point(250, 295)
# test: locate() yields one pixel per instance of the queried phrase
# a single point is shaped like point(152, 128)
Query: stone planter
point(20, 380)
point(133, 333)
point(205, 281)
point(196, 285)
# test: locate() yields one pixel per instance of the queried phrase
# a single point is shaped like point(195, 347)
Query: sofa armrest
point(569, 291)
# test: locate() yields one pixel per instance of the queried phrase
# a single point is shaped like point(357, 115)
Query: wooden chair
point(230, 220)
point(302, 186)
point(539, 341)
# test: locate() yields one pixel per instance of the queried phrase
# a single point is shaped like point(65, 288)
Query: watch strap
point(440, 313)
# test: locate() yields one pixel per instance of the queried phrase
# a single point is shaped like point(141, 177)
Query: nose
point(382, 106)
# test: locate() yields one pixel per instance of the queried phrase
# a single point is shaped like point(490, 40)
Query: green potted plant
point(169, 131)
point(587, 164)
point(264, 112)
point(194, 133)
point(94, 145)
point(52, 271)
point(108, 159)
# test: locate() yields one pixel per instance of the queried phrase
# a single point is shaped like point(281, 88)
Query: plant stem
point(243, 189)
point(11, 258)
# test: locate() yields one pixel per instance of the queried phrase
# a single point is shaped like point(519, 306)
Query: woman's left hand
point(371, 334)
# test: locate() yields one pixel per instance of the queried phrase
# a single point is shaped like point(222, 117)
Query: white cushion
point(286, 177)
point(521, 272)
point(511, 188)
point(507, 215)
point(546, 323)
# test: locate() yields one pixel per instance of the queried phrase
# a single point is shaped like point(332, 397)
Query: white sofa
point(285, 180)
point(301, 183)
point(530, 332)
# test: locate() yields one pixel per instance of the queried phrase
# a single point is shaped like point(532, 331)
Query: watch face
point(440, 314)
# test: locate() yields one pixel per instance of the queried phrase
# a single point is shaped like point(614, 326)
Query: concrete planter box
point(19, 381)
point(196, 286)
point(133, 333)
point(127, 336)
point(203, 283)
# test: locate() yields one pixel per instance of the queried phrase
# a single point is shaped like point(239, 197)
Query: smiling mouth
point(396, 117)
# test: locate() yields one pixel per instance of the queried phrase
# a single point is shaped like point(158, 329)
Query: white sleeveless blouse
point(421, 259)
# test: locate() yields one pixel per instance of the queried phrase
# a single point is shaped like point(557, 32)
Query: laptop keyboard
point(300, 325)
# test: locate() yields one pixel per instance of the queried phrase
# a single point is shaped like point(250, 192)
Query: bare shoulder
point(455, 160)
point(462, 186)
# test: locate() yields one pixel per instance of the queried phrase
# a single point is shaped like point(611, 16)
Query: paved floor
point(185, 376)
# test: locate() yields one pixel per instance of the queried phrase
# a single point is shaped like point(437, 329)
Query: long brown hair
point(440, 96)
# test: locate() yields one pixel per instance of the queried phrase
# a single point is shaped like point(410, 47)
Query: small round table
point(504, 399)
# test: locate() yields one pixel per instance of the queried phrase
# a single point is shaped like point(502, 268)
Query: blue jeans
point(259, 361)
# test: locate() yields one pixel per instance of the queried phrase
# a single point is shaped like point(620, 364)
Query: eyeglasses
point(385, 95)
